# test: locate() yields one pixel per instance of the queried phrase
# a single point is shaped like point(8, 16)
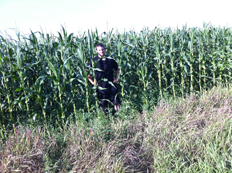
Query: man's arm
point(116, 78)
point(89, 76)
point(90, 79)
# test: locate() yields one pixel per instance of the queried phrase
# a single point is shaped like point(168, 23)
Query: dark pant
point(109, 93)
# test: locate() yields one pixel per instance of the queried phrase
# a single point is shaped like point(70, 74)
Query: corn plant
point(43, 77)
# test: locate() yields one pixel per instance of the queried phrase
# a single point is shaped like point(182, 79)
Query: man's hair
point(100, 45)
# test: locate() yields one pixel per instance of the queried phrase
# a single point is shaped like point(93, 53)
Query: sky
point(78, 16)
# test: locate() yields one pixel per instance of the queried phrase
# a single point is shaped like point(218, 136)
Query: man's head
point(100, 49)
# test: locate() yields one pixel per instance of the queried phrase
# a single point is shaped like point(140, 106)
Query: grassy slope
point(185, 135)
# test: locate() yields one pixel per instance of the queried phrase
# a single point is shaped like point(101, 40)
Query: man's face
point(101, 51)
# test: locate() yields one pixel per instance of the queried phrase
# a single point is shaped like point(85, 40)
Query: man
point(105, 78)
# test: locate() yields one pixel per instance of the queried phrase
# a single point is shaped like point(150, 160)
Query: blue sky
point(80, 15)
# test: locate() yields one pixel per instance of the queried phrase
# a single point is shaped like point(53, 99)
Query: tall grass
point(181, 135)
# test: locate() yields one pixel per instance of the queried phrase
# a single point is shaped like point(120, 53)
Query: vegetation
point(184, 135)
point(50, 119)
point(43, 77)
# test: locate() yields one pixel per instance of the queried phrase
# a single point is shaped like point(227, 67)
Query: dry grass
point(186, 135)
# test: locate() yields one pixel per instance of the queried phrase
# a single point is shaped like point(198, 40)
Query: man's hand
point(115, 80)
point(95, 84)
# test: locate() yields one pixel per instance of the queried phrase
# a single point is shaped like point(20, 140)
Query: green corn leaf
point(51, 67)
point(98, 87)
point(18, 89)
point(111, 83)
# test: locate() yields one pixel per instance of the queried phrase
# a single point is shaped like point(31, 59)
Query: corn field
point(43, 76)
